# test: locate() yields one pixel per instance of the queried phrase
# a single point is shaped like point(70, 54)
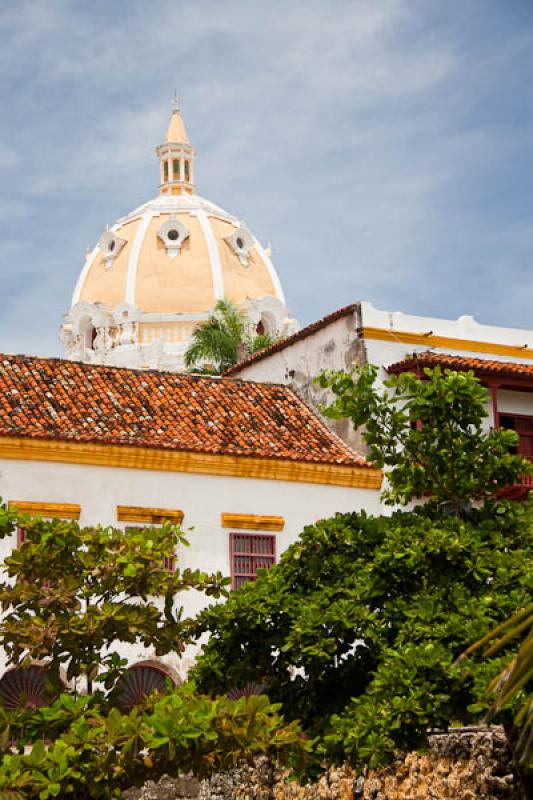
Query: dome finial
point(176, 156)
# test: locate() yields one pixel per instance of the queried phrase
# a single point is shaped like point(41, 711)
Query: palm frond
point(260, 342)
point(217, 340)
point(516, 677)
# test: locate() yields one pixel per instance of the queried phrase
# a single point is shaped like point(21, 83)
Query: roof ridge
point(294, 337)
point(487, 365)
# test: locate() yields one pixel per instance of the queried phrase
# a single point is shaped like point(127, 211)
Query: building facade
point(242, 466)
point(501, 357)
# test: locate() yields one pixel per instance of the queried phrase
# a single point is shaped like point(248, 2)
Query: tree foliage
point(429, 434)
point(224, 338)
point(75, 594)
point(96, 752)
point(71, 596)
point(357, 629)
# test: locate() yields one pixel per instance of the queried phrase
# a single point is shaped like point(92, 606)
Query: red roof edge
point(480, 366)
point(295, 337)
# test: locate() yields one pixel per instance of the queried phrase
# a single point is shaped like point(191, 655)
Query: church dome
point(160, 269)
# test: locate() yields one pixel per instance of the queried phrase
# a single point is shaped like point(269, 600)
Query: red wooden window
point(169, 563)
point(523, 425)
point(250, 552)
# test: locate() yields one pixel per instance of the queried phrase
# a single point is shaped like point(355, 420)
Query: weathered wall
point(338, 346)
point(335, 347)
point(471, 764)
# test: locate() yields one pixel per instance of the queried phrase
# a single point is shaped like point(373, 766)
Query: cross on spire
point(175, 102)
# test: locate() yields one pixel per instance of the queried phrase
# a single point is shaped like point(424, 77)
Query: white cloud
point(360, 138)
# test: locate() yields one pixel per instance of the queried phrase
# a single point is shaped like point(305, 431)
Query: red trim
point(506, 374)
point(495, 414)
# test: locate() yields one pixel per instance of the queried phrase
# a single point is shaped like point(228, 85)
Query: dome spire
point(176, 156)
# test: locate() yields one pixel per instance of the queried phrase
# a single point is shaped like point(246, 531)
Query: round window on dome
point(111, 245)
point(173, 234)
point(240, 243)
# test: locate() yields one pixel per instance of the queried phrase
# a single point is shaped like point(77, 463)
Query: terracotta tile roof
point(52, 398)
point(296, 337)
point(483, 367)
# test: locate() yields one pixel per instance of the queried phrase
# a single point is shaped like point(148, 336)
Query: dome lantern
point(176, 157)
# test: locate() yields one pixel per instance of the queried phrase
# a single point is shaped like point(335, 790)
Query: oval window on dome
point(111, 245)
point(239, 242)
point(173, 235)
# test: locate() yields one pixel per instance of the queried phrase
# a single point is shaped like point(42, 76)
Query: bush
point(356, 631)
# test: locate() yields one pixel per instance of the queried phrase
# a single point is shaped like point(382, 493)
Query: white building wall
point(336, 346)
point(465, 327)
point(202, 498)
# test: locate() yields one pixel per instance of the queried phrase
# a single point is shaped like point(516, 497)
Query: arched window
point(141, 680)
point(176, 169)
point(25, 687)
point(187, 172)
point(165, 170)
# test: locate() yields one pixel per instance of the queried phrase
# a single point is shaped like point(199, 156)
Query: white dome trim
point(131, 280)
point(271, 271)
point(214, 256)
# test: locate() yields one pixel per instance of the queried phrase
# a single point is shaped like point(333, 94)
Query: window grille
point(250, 552)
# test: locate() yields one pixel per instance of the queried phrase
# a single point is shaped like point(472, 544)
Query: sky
point(383, 148)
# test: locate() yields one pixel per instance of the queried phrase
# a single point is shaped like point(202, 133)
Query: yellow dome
point(150, 275)
point(160, 269)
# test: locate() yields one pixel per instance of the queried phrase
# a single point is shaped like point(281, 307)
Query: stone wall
point(468, 764)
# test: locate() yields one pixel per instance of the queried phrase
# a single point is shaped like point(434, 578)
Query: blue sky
point(383, 147)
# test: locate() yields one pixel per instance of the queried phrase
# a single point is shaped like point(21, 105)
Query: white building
point(112, 435)
point(502, 358)
point(245, 465)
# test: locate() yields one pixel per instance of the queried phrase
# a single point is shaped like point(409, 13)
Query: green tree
point(222, 340)
point(71, 596)
point(357, 629)
point(428, 434)
point(75, 594)
point(96, 752)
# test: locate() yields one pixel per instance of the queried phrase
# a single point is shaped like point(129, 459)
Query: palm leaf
point(515, 677)
point(217, 340)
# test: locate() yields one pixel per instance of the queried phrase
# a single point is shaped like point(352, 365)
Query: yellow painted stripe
point(447, 343)
point(154, 516)
point(56, 510)
point(19, 448)
point(257, 522)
